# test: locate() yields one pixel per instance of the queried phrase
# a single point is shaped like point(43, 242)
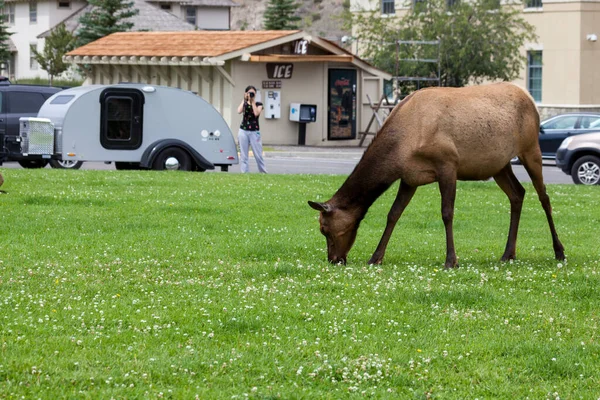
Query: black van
point(18, 101)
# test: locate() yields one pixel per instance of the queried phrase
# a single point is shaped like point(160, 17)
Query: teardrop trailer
point(136, 126)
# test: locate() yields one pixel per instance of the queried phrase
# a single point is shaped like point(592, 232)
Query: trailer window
point(121, 119)
point(64, 99)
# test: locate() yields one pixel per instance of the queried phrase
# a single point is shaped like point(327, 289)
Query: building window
point(165, 6)
point(190, 15)
point(534, 74)
point(9, 13)
point(33, 64)
point(64, 4)
point(388, 7)
point(533, 3)
point(32, 12)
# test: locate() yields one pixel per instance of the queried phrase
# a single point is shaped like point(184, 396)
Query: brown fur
point(442, 135)
point(1, 182)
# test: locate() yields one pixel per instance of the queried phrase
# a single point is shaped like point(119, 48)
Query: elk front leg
point(448, 192)
point(405, 194)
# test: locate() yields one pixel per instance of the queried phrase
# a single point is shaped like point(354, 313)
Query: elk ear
point(323, 207)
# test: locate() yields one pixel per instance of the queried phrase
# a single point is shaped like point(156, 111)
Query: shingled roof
point(149, 18)
point(207, 48)
point(177, 44)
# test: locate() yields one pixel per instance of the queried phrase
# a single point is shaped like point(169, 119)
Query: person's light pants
point(251, 139)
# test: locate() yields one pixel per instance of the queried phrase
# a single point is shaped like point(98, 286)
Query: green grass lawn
point(215, 285)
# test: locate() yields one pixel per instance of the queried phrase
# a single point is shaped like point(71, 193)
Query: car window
point(590, 122)
point(567, 122)
point(1, 102)
point(25, 102)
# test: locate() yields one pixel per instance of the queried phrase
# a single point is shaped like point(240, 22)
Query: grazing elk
point(443, 135)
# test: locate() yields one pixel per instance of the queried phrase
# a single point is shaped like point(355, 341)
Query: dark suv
point(18, 101)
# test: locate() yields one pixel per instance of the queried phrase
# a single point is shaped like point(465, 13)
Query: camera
point(251, 94)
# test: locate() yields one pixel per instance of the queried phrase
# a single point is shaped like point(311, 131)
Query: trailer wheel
point(30, 164)
point(172, 158)
point(66, 164)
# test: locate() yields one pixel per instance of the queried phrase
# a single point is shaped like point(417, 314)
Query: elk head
point(339, 228)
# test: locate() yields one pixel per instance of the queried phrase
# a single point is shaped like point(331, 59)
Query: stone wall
point(550, 111)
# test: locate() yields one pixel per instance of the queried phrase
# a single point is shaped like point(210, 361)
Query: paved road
point(328, 163)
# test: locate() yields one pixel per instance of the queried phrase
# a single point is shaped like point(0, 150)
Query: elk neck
point(371, 177)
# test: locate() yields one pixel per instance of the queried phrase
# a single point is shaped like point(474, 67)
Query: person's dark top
point(249, 120)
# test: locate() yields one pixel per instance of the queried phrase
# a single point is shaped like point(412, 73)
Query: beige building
point(287, 68)
point(569, 52)
point(562, 71)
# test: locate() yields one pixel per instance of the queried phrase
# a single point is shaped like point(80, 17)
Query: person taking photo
point(249, 133)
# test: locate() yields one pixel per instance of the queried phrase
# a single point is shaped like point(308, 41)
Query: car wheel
point(172, 158)
point(126, 166)
point(586, 171)
point(66, 164)
point(29, 164)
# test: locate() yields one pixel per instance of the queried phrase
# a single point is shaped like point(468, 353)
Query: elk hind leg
point(533, 166)
point(448, 191)
point(515, 192)
point(405, 194)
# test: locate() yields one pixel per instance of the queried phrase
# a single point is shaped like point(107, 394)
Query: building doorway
point(341, 118)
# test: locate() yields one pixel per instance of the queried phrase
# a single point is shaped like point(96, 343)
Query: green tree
point(281, 15)
point(478, 40)
point(57, 45)
point(4, 35)
point(105, 17)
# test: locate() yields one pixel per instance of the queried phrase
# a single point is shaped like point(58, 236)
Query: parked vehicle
point(17, 101)
point(554, 130)
point(133, 125)
point(579, 156)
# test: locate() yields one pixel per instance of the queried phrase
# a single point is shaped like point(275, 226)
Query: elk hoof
point(451, 263)
point(508, 257)
point(375, 260)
